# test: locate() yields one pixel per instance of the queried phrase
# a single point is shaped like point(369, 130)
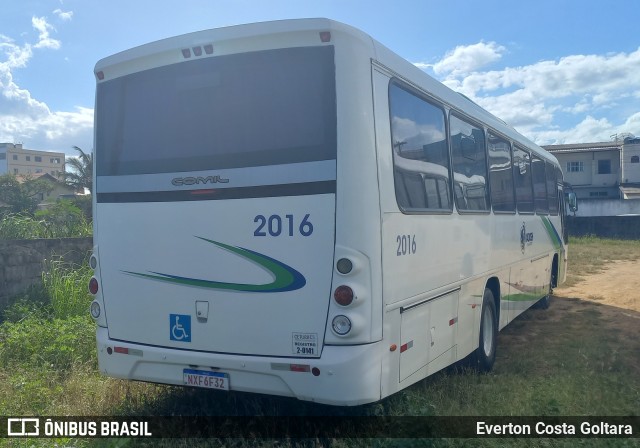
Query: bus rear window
point(250, 109)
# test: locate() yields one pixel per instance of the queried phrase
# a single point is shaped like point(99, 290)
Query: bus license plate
point(205, 379)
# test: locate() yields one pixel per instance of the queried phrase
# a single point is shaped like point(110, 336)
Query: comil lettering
point(181, 181)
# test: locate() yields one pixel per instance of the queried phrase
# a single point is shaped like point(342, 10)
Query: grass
point(67, 289)
point(589, 255)
point(561, 362)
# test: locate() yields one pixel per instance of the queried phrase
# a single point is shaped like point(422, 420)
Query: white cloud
point(543, 100)
point(63, 15)
point(44, 40)
point(466, 59)
point(603, 75)
point(27, 119)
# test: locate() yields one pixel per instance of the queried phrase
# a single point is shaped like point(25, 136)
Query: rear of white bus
point(215, 238)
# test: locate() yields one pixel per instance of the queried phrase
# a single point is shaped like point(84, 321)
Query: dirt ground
point(609, 299)
point(614, 293)
point(618, 286)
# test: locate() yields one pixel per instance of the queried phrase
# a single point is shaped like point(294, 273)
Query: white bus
point(290, 208)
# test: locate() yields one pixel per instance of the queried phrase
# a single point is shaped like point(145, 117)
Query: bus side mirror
point(573, 202)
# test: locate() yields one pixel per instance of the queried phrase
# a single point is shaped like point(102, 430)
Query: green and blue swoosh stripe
point(556, 240)
point(286, 278)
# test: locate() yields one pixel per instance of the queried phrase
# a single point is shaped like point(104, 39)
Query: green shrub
point(67, 289)
point(42, 343)
point(33, 302)
point(54, 330)
point(60, 220)
point(63, 219)
point(20, 227)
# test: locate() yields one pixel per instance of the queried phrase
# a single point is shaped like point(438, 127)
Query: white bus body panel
point(173, 239)
point(433, 292)
point(337, 383)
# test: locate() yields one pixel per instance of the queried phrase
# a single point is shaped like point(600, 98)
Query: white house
point(605, 176)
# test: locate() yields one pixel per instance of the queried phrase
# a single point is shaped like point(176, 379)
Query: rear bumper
point(349, 375)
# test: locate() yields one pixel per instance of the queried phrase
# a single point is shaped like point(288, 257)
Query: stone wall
point(23, 261)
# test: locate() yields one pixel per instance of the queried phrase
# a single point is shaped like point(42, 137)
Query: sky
point(559, 71)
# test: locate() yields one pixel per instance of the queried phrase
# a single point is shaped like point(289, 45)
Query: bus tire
point(485, 354)
point(544, 303)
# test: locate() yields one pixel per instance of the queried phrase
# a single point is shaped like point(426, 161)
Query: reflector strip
point(405, 347)
point(291, 367)
point(127, 351)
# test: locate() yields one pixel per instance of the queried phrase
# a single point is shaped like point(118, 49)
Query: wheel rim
point(487, 331)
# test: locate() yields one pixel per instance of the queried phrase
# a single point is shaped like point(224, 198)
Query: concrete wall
point(608, 207)
point(22, 261)
point(621, 227)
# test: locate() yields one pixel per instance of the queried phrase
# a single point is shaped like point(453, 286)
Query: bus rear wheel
point(485, 354)
point(544, 302)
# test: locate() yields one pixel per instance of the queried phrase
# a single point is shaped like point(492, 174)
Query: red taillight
point(325, 36)
point(343, 295)
point(299, 368)
point(93, 286)
point(123, 350)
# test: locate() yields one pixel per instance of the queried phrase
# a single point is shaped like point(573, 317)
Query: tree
point(22, 197)
point(82, 175)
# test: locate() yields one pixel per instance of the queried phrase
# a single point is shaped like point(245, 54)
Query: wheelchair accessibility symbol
point(180, 327)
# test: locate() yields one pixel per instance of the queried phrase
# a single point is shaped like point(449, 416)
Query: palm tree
point(82, 175)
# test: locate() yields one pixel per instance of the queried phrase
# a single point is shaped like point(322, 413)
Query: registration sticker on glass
point(205, 379)
point(305, 344)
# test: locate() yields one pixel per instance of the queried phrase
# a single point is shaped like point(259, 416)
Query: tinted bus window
point(420, 155)
point(469, 166)
point(501, 176)
point(552, 189)
point(539, 186)
point(250, 109)
point(522, 180)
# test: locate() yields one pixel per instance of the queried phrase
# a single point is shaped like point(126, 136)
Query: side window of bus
point(522, 180)
point(469, 166)
point(552, 188)
point(500, 175)
point(539, 186)
point(420, 155)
